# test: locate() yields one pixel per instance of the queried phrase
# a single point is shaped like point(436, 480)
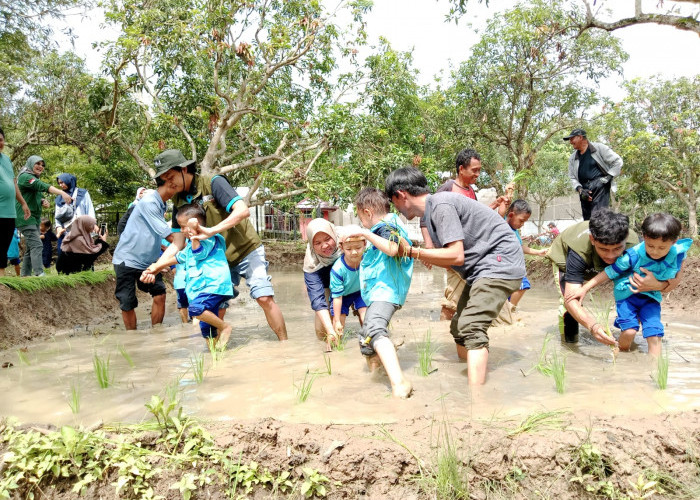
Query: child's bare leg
point(516, 296)
point(373, 362)
point(361, 312)
point(654, 344)
point(221, 326)
point(17, 269)
point(626, 339)
point(183, 314)
point(400, 386)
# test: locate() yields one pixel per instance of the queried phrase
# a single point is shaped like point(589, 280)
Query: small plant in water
point(125, 355)
point(304, 388)
point(601, 311)
point(661, 374)
point(342, 341)
point(197, 363)
point(559, 370)
point(74, 399)
point(217, 351)
point(102, 371)
point(327, 362)
point(426, 351)
point(23, 359)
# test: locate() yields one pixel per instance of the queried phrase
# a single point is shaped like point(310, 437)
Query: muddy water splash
point(260, 377)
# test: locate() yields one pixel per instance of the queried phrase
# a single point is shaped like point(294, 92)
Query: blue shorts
point(15, 261)
point(354, 299)
point(525, 285)
point(206, 302)
point(182, 301)
point(640, 308)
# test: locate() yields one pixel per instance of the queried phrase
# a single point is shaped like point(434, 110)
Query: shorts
point(182, 301)
point(525, 284)
point(478, 306)
point(254, 269)
point(128, 280)
point(377, 319)
point(15, 261)
point(640, 308)
point(206, 302)
point(354, 300)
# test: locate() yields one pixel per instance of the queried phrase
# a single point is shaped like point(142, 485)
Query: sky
point(419, 26)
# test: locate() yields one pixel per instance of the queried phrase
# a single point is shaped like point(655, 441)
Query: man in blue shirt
point(138, 247)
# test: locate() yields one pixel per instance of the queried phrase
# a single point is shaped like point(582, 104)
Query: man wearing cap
point(226, 213)
point(138, 247)
point(592, 168)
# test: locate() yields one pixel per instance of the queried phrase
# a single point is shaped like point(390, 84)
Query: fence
point(274, 224)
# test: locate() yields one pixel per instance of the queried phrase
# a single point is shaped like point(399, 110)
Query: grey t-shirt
point(491, 249)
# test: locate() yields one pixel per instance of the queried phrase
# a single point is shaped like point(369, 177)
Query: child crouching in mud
point(207, 276)
point(385, 276)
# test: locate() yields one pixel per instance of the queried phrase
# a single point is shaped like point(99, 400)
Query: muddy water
point(260, 377)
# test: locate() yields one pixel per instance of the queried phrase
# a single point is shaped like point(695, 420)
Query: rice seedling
point(661, 374)
point(36, 283)
point(426, 351)
point(327, 362)
point(126, 355)
point(544, 365)
point(342, 341)
point(217, 352)
point(303, 390)
point(23, 358)
point(74, 399)
point(197, 363)
point(102, 371)
point(601, 309)
point(538, 421)
point(559, 370)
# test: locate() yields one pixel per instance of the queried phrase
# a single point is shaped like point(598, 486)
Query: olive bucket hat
point(170, 158)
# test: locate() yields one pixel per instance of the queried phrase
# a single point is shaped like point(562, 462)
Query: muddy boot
point(570, 329)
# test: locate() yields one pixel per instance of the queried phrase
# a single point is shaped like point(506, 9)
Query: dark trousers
point(7, 229)
point(601, 199)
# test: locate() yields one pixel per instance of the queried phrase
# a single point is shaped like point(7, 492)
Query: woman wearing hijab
point(66, 213)
point(79, 250)
point(321, 252)
point(32, 190)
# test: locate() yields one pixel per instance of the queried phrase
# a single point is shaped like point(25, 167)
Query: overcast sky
point(419, 25)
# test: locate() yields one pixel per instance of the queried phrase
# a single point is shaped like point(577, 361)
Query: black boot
point(570, 329)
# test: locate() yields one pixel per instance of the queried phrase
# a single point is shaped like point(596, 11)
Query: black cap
point(575, 132)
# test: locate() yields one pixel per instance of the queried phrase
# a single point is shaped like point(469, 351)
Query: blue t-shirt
point(206, 268)
point(13, 251)
point(384, 278)
point(139, 244)
point(344, 279)
point(636, 257)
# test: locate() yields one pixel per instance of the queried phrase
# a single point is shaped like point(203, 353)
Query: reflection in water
point(259, 376)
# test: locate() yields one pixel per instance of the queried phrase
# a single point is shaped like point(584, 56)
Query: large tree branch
point(685, 23)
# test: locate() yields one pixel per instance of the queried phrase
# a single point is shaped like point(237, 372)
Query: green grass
point(450, 478)
point(102, 371)
point(559, 370)
point(23, 358)
point(661, 374)
point(426, 351)
point(74, 399)
point(303, 389)
point(197, 363)
point(37, 283)
point(126, 355)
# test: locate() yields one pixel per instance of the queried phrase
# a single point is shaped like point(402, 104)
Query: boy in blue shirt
point(385, 276)
point(13, 251)
point(345, 280)
point(662, 254)
point(207, 277)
